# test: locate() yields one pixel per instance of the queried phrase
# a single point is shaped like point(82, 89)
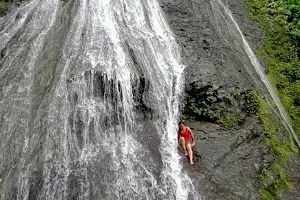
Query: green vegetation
point(228, 111)
point(229, 122)
point(280, 20)
point(202, 106)
point(3, 5)
point(273, 178)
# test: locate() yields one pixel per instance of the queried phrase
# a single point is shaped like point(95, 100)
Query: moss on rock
point(2, 7)
point(229, 111)
point(274, 177)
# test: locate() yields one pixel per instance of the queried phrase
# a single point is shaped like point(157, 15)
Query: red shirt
point(185, 134)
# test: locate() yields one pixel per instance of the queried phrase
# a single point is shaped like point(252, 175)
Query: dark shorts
point(188, 142)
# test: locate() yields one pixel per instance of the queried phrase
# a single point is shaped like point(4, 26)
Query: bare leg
point(189, 147)
point(182, 143)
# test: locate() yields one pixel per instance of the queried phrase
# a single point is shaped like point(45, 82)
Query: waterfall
point(218, 5)
point(89, 96)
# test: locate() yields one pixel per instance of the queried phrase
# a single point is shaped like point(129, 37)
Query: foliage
point(205, 105)
point(280, 20)
point(2, 7)
point(229, 121)
point(252, 105)
point(280, 181)
point(273, 177)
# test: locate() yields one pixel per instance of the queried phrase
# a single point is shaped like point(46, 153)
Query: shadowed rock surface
point(230, 160)
point(212, 49)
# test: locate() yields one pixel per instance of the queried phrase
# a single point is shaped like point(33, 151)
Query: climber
point(184, 140)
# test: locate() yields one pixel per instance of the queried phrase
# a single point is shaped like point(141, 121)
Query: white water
point(259, 70)
point(72, 82)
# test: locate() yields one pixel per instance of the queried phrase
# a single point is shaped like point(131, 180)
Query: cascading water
point(218, 7)
point(89, 95)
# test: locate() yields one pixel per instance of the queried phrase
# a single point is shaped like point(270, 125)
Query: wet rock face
point(211, 47)
point(230, 160)
point(214, 57)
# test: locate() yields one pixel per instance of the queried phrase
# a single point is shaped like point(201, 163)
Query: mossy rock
point(2, 7)
point(229, 111)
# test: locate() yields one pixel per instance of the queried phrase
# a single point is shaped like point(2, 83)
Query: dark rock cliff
point(214, 58)
point(228, 162)
point(212, 52)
